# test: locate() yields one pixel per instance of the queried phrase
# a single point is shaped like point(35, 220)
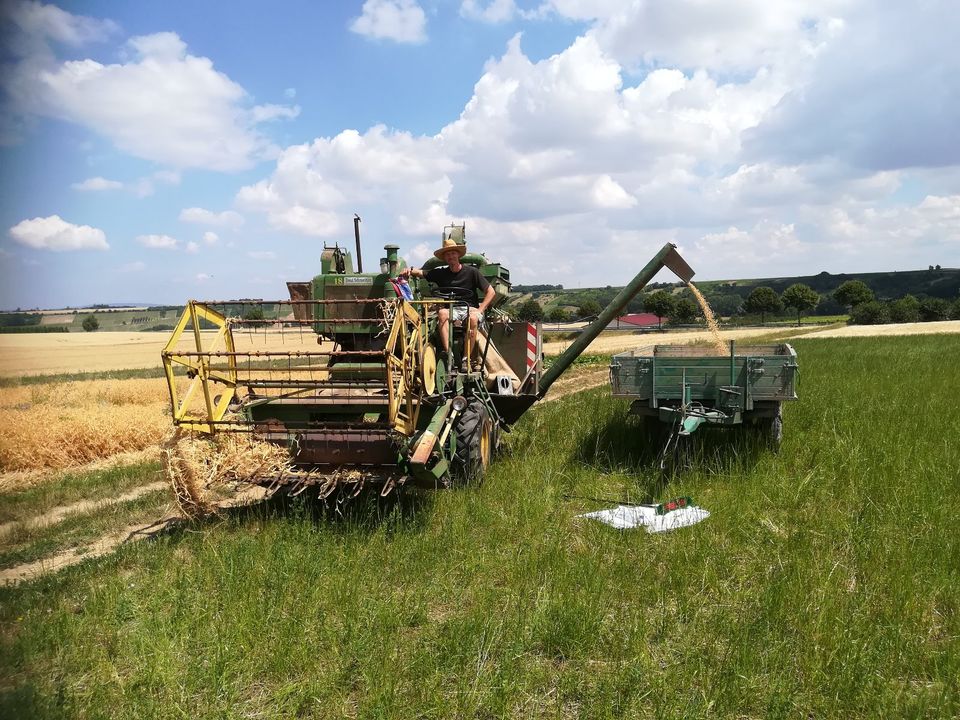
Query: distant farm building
point(634, 321)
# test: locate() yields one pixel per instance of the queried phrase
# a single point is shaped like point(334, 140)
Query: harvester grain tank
point(375, 400)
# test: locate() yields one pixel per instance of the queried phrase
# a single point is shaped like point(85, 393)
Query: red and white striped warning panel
point(531, 345)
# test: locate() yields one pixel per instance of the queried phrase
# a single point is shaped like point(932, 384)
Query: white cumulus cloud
point(608, 193)
point(210, 238)
point(158, 242)
point(55, 233)
point(202, 216)
point(37, 23)
point(97, 184)
point(141, 187)
point(160, 103)
point(264, 113)
point(493, 11)
point(400, 20)
point(314, 186)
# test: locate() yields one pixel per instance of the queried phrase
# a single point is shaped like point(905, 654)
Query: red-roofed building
point(636, 320)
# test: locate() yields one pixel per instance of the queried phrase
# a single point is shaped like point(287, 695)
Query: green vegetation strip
point(825, 583)
point(134, 373)
point(71, 488)
point(27, 544)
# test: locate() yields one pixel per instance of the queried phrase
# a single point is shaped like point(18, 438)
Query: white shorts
point(458, 313)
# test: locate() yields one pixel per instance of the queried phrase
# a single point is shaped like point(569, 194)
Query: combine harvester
point(367, 397)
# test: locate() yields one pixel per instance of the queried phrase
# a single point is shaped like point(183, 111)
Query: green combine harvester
point(369, 397)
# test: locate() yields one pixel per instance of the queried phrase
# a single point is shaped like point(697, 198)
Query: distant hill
point(943, 283)
point(118, 318)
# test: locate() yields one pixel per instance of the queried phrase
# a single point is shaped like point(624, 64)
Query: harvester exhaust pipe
point(667, 257)
point(356, 234)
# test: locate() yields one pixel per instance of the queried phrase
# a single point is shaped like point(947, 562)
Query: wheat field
point(54, 353)
point(63, 424)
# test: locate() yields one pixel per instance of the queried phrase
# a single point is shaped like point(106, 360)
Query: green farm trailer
point(689, 385)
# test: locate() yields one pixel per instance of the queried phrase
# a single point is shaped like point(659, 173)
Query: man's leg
point(443, 318)
point(472, 331)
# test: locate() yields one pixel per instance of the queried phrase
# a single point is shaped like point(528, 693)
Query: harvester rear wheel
point(475, 444)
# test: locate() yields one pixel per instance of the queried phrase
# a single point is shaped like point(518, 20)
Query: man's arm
point(488, 297)
point(411, 272)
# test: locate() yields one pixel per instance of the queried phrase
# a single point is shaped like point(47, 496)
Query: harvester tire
point(475, 445)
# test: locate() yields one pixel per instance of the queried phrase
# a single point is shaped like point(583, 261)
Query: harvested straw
point(198, 466)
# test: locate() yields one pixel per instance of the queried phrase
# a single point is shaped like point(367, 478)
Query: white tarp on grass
point(625, 517)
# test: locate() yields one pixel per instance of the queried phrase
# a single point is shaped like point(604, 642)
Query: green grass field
point(826, 583)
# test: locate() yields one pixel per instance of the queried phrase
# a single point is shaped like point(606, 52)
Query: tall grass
point(825, 583)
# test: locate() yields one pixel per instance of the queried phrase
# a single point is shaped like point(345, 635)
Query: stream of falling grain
point(718, 342)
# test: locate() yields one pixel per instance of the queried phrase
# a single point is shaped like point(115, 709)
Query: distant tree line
point(866, 309)
point(675, 305)
point(8, 320)
point(34, 329)
point(522, 289)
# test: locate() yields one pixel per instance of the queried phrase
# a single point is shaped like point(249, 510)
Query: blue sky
point(154, 152)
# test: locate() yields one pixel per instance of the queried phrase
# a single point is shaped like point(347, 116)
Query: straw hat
point(450, 244)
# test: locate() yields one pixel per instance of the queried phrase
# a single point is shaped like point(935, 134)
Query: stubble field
point(825, 583)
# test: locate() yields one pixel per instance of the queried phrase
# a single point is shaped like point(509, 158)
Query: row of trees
point(854, 296)
point(682, 309)
point(798, 297)
point(865, 309)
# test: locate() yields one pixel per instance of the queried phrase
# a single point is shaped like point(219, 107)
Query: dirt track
point(64, 559)
point(587, 379)
point(61, 513)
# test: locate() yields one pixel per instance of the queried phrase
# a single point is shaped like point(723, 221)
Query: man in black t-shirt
point(457, 275)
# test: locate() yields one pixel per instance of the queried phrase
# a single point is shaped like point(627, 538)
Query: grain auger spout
point(667, 257)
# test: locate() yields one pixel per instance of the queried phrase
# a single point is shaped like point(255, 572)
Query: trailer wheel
point(655, 432)
point(475, 444)
point(771, 430)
